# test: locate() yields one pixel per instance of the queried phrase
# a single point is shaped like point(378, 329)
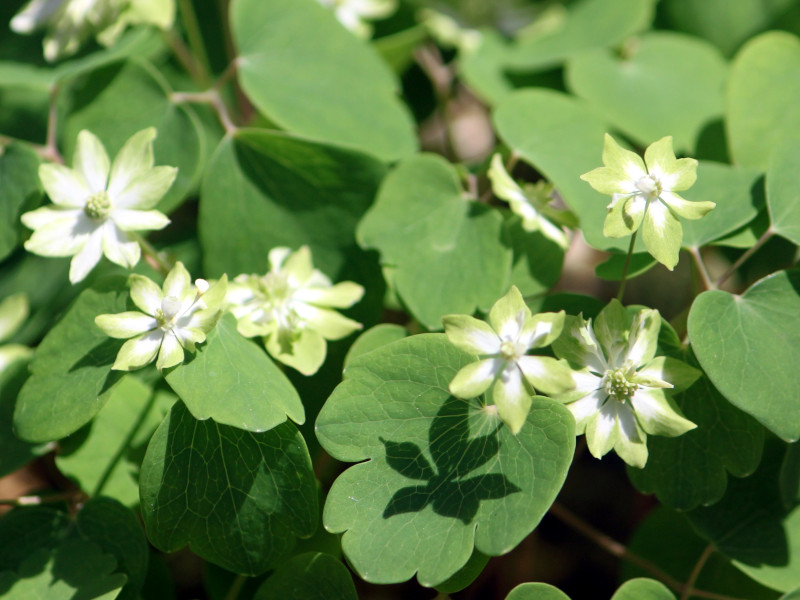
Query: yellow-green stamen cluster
point(98, 206)
point(618, 386)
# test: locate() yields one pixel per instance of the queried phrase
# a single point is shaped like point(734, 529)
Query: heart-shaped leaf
point(310, 576)
point(536, 591)
point(783, 197)
point(20, 190)
point(446, 251)
point(441, 475)
point(746, 346)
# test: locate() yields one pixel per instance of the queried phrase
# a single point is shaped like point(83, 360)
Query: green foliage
point(311, 576)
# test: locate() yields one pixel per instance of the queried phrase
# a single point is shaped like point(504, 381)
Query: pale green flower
point(503, 344)
point(175, 317)
point(13, 312)
point(96, 205)
point(291, 308)
point(70, 23)
point(529, 206)
point(621, 387)
point(643, 195)
point(448, 32)
point(354, 14)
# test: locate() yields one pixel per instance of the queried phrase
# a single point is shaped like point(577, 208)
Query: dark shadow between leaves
point(447, 486)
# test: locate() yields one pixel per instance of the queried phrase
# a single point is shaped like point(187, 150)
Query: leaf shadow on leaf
point(448, 488)
point(101, 355)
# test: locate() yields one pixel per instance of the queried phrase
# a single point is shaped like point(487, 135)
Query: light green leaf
point(783, 200)
point(751, 526)
point(483, 68)
point(446, 251)
point(562, 137)
point(71, 377)
point(238, 499)
point(643, 589)
point(286, 80)
point(310, 576)
point(588, 24)
point(104, 457)
point(274, 190)
point(442, 476)
point(20, 190)
point(738, 195)
point(374, 338)
point(639, 91)
point(120, 99)
point(744, 345)
point(755, 120)
point(536, 591)
point(257, 395)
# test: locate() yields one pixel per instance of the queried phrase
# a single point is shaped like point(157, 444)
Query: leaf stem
point(212, 97)
point(236, 587)
point(48, 499)
point(441, 76)
point(619, 550)
point(185, 57)
point(626, 267)
point(192, 28)
point(152, 255)
point(698, 566)
point(50, 151)
point(701, 268)
point(765, 237)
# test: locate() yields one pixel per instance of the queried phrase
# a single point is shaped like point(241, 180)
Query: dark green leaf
point(20, 190)
point(311, 576)
point(238, 499)
point(537, 260)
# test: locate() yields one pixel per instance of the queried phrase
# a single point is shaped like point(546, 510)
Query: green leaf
point(465, 575)
point(562, 137)
point(692, 469)
point(744, 345)
point(274, 189)
point(483, 68)
point(445, 251)
point(117, 531)
point(783, 200)
point(588, 24)
point(613, 267)
point(76, 569)
point(117, 100)
point(643, 589)
point(257, 395)
point(310, 576)
point(374, 338)
point(397, 49)
point(285, 80)
point(536, 591)
point(537, 260)
point(441, 475)
point(756, 121)
point(71, 377)
point(32, 528)
point(751, 526)
point(20, 190)
point(666, 539)
point(238, 499)
point(104, 457)
point(640, 91)
point(738, 195)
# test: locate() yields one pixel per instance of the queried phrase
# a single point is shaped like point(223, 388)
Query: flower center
point(648, 186)
point(98, 205)
point(511, 349)
point(170, 306)
point(617, 384)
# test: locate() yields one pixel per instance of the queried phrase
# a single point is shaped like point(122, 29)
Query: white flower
point(619, 394)
point(528, 206)
point(96, 204)
point(174, 318)
point(291, 308)
point(353, 14)
point(504, 343)
point(13, 311)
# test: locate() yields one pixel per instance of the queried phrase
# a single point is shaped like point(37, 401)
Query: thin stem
point(236, 587)
point(701, 268)
point(210, 96)
point(50, 151)
point(431, 62)
point(619, 550)
point(192, 28)
point(37, 500)
point(698, 566)
point(153, 256)
point(184, 56)
point(748, 253)
point(626, 267)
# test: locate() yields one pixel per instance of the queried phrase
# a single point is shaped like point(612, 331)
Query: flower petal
point(546, 374)
point(13, 312)
point(512, 399)
point(542, 329)
point(658, 414)
point(475, 378)
point(680, 375)
point(34, 15)
point(307, 354)
point(610, 181)
point(624, 216)
point(139, 220)
point(139, 351)
point(145, 294)
point(126, 324)
point(509, 314)
point(503, 186)
point(602, 430)
point(171, 352)
point(578, 345)
point(585, 408)
point(49, 215)
point(341, 295)
point(685, 208)
point(611, 327)
point(328, 323)
point(616, 157)
point(643, 337)
point(118, 248)
point(471, 335)
point(631, 443)
point(91, 161)
point(134, 159)
point(64, 186)
point(662, 234)
point(145, 191)
point(673, 174)
point(178, 283)
point(85, 260)
point(61, 237)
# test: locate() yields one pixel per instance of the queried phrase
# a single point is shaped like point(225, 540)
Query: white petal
point(139, 351)
point(118, 248)
point(63, 185)
point(171, 352)
point(91, 161)
point(85, 260)
point(583, 409)
point(50, 215)
point(475, 378)
point(145, 294)
point(61, 238)
point(341, 295)
point(178, 284)
point(134, 159)
point(35, 14)
point(146, 190)
point(125, 325)
point(657, 213)
point(139, 220)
